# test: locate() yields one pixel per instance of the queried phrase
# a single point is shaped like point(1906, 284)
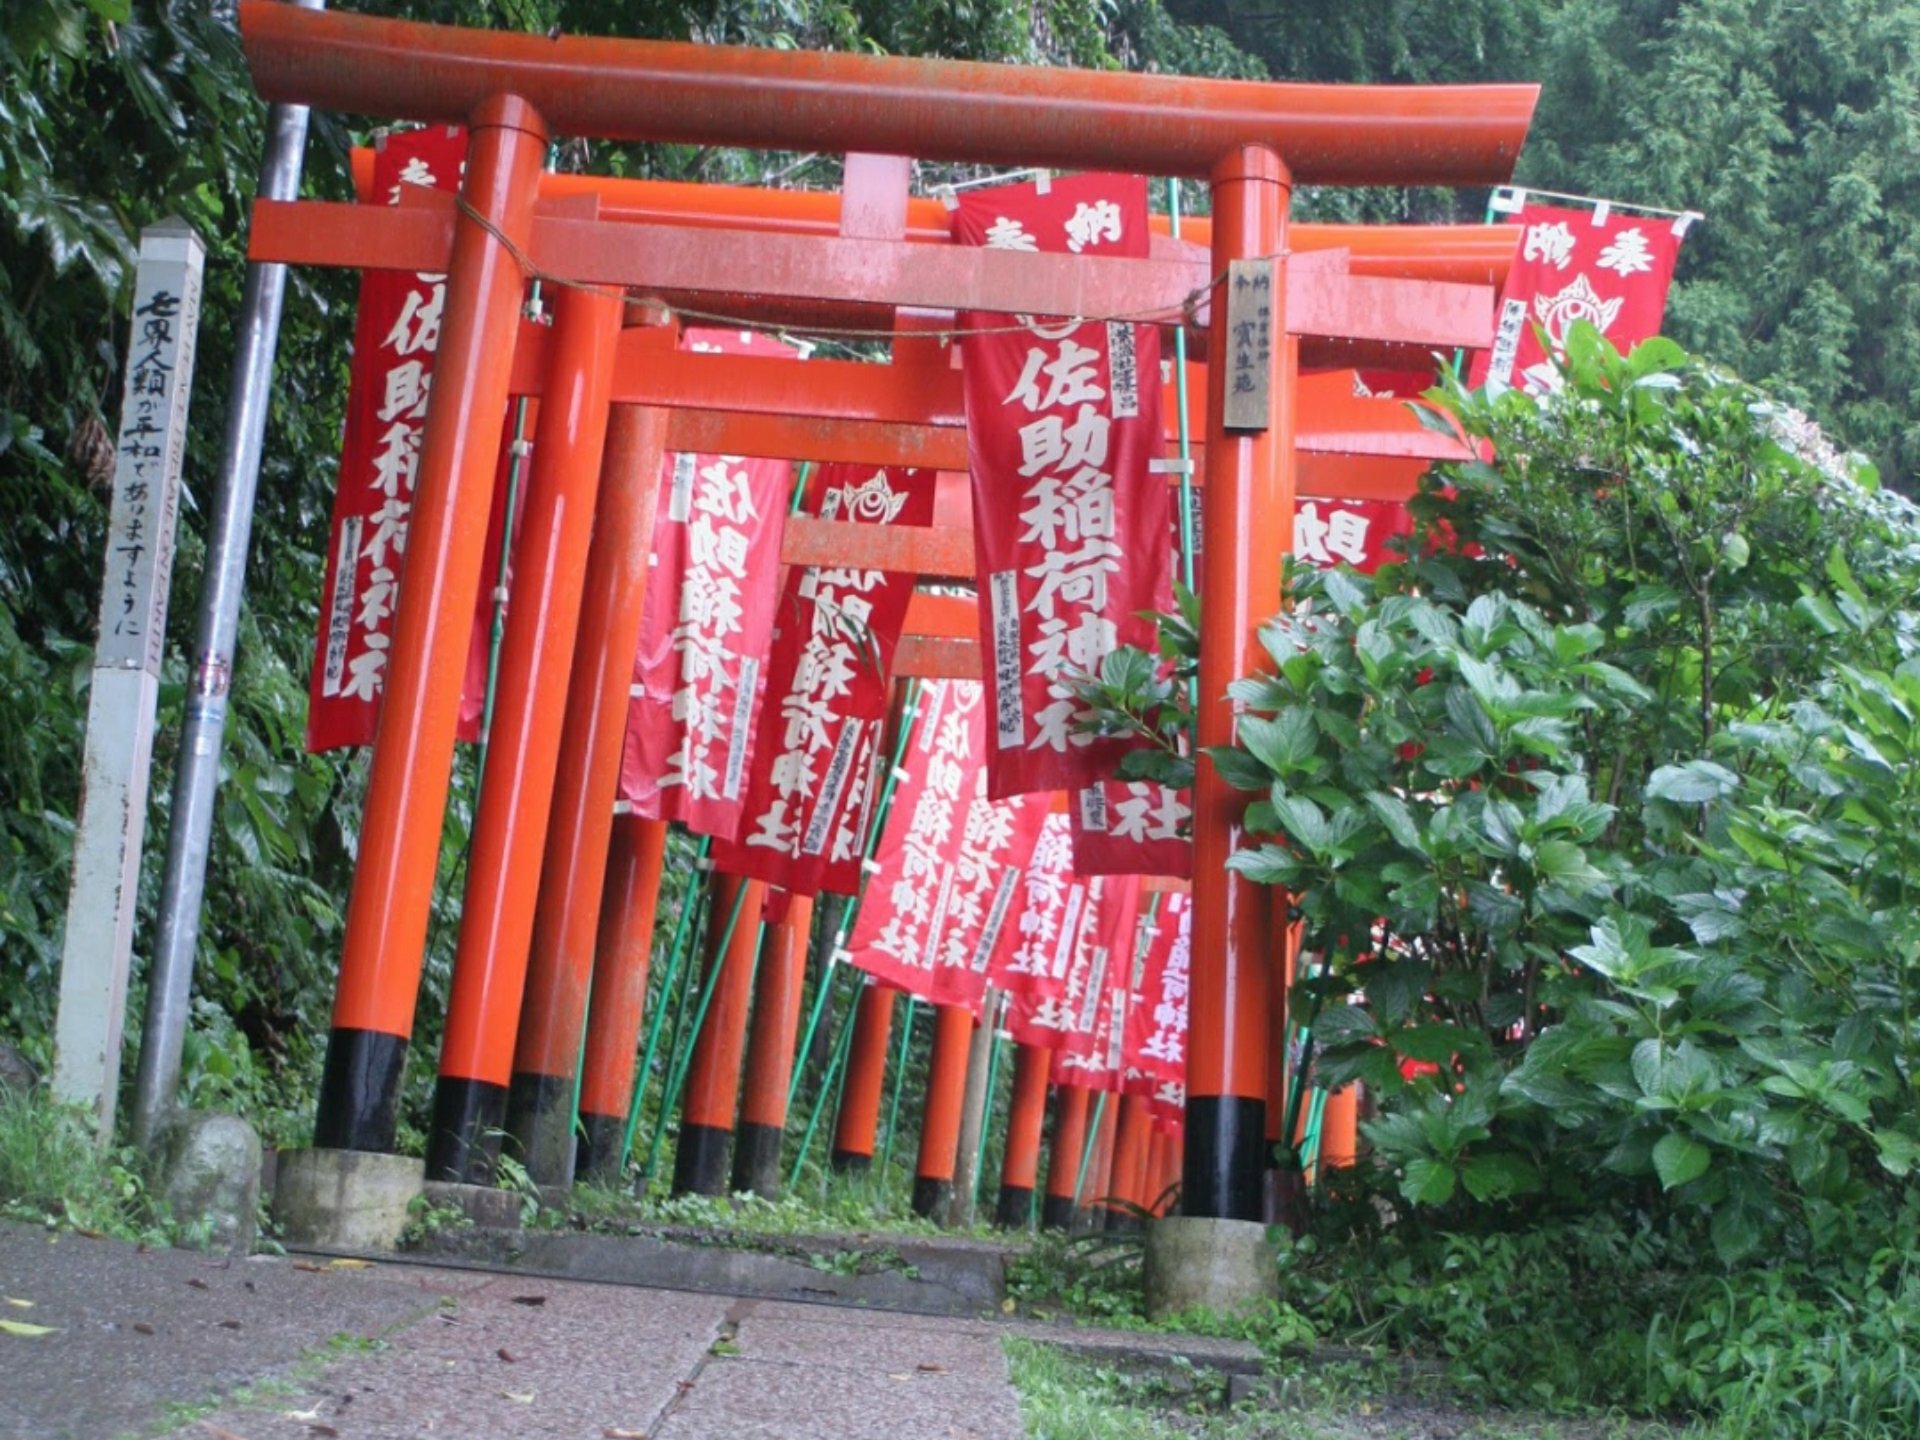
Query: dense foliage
point(1598, 814)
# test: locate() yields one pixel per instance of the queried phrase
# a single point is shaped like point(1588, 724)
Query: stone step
point(915, 1275)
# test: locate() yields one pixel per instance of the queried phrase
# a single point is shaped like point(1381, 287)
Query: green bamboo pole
point(993, 1074)
point(908, 713)
point(836, 1067)
point(899, 1082)
point(683, 1047)
point(1087, 1146)
point(1180, 390)
point(1310, 1141)
point(689, 904)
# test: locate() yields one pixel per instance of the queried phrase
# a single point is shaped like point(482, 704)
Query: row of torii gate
point(616, 395)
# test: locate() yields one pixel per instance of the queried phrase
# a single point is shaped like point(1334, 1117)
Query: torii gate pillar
point(1247, 530)
point(412, 763)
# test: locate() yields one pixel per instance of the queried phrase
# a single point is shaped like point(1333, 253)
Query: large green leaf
point(1678, 1159)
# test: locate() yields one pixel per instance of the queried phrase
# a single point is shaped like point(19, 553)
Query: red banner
point(983, 901)
point(1071, 1009)
point(1156, 1048)
point(700, 672)
point(810, 790)
point(1611, 270)
point(1349, 532)
point(1070, 524)
point(396, 332)
point(1052, 901)
point(897, 935)
point(1132, 827)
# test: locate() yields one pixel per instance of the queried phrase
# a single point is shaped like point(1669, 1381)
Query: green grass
point(1068, 1397)
point(54, 1173)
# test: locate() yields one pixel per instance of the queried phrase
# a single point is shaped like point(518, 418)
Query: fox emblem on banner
point(1609, 268)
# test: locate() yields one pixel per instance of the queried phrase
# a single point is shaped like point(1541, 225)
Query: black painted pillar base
point(851, 1162)
point(756, 1159)
point(700, 1160)
point(540, 1127)
point(360, 1091)
point(1057, 1212)
point(1224, 1173)
point(1015, 1208)
point(463, 1142)
point(597, 1157)
point(1120, 1222)
point(931, 1196)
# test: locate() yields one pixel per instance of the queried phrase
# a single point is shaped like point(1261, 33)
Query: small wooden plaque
point(1250, 296)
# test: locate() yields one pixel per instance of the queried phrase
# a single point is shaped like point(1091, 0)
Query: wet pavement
point(168, 1342)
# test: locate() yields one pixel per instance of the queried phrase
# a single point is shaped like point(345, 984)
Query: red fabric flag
point(1052, 901)
point(1156, 1045)
point(396, 332)
point(983, 900)
point(1610, 269)
point(700, 672)
point(1069, 1009)
point(804, 818)
point(1132, 827)
point(1070, 526)
point(1349, 532)
point(897, 935)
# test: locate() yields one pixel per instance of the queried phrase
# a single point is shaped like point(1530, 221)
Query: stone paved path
point(148, 1343)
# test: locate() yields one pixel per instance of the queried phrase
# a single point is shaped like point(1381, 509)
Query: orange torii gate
point(1252, 141)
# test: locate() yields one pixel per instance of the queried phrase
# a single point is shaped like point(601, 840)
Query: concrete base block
point(345, 1199)
point(1226, 1266)
point(485, 1205)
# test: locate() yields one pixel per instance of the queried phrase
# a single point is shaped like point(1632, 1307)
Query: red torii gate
point(1252, 141)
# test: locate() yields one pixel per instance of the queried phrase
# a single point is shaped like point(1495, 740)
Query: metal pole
point(993, 1079)
point(229, 532)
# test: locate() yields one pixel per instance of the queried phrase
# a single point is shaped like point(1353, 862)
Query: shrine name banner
point(1609, 268)
point(700, 670)
point(810, 789)
point(896, 937)
point(1132, 827)
point(980, 900)
point(1052, 902)
point(1070, 523)
point(1156, 1030)
point(396, 331)
point(1081, 1011)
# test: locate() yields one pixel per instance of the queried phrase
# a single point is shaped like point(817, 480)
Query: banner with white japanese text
point(1071, 525)
point(810, 787)
point(1156, 1041)
point(1132, 827)
point(699, 674)
point(1051, 904)
point(1081, 1012)
point(1609, 268)
point(396, 331)
point(983, 901)
point(896, 937)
